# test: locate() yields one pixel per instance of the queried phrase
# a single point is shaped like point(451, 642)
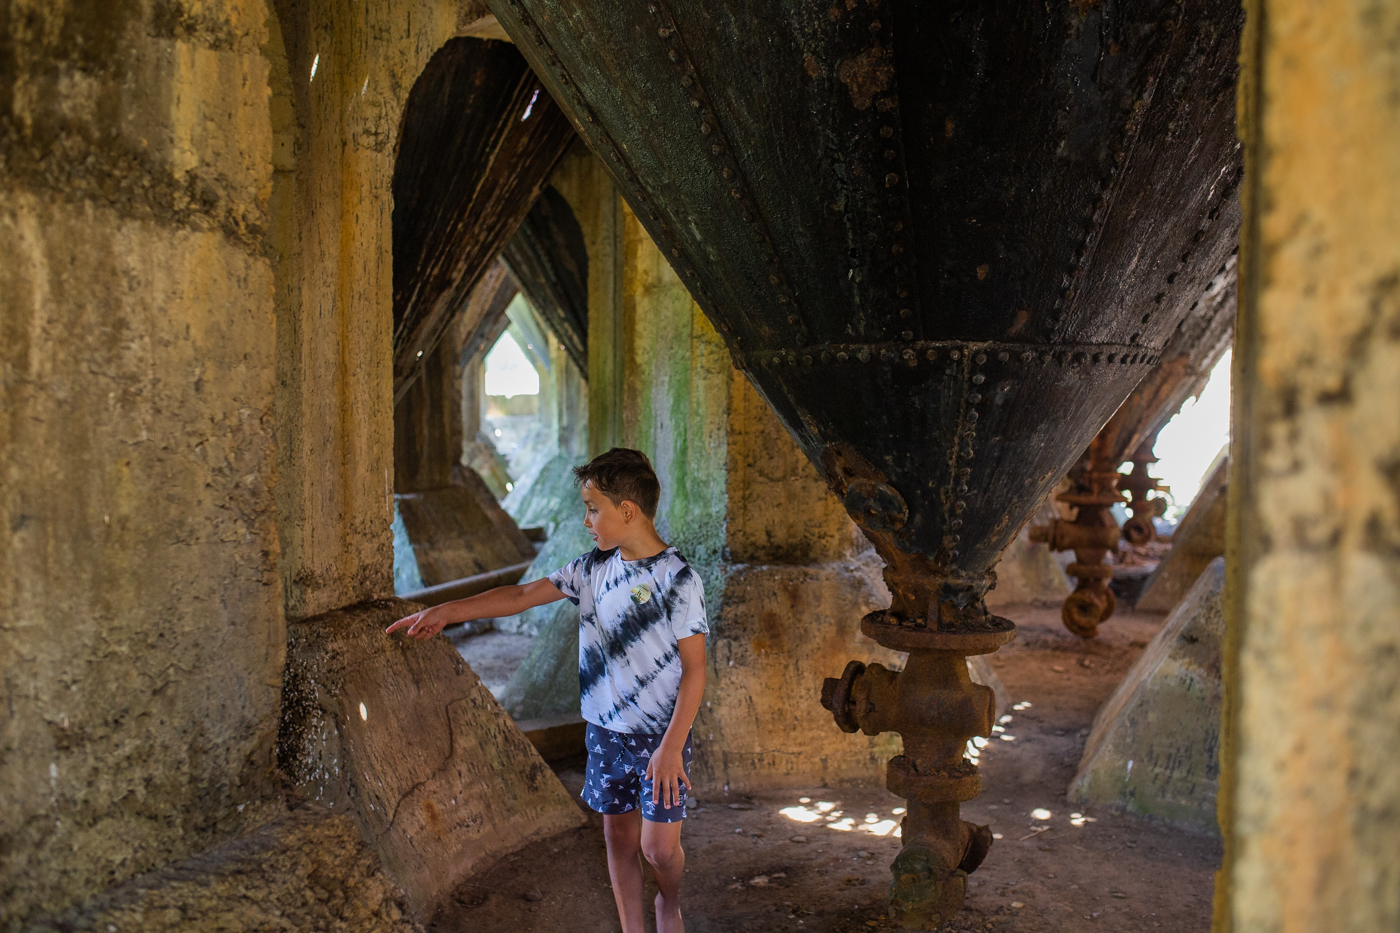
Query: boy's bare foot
point(668, 917)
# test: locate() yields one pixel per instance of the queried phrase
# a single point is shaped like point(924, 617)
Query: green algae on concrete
point(1155, 745)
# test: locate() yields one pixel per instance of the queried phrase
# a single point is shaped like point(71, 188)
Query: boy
point(641, 672)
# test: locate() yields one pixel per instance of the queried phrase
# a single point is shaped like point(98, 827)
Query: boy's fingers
point(400, 623)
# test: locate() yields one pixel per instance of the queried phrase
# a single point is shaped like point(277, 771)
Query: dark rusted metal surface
point(944, 240)
point(480, 138)
point(548, 258)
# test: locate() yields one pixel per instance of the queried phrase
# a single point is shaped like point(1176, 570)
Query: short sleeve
point(569, 579)
point(688, 617)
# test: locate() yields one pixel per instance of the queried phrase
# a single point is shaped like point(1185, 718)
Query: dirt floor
point(816, 859)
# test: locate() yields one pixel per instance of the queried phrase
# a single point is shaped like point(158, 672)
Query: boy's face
point(607, 523)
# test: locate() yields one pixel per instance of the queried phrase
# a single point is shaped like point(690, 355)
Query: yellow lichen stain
point(982, 272)
point(433, 818)
point(1022, 318)
point(948, 128)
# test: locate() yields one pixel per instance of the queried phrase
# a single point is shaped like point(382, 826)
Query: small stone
point(691, 803)
point(738, 831)
point(741, 806)
point(1119, 894)
point(533, 896)
point(864, 854)
point(799, 839)
point(1017, 905)
point(759, 881)
point(1058, 669)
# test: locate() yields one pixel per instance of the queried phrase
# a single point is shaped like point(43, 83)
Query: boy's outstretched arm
point(502, 601)
point(667, 766)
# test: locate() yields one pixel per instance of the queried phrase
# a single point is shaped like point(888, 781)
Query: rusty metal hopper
point(944, 240)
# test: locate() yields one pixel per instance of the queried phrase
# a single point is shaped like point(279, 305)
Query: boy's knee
point(661, 853)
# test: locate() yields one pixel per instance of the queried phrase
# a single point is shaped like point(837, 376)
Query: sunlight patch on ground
point(825, 813)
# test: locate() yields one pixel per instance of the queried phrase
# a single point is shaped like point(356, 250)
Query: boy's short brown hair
point(623, 473)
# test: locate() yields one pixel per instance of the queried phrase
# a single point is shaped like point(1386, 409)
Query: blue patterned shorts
point(616, 780)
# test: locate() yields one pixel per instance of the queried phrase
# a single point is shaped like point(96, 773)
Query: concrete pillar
point(787, 574)
point(1155, 745)
point(1311, 790)
point(142, 613)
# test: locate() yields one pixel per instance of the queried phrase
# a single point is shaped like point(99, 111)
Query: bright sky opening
point(1190, 442)
point(508, 371)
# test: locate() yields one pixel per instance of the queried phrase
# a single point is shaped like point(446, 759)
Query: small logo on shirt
point(640, 593)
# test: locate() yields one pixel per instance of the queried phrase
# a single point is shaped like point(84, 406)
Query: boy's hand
point(421, 625)
point(666, 771)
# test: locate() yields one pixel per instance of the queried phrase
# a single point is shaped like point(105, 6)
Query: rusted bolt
point(909, 355)
point(1027, 356)
point(955, 354)
point(705, 128)
point(886, 355)
point(887, 131)
point(891, 180)
point(1003, 356)
point(955, 523)
point(864, 355)
point(978, 379)
point(931, 355)
point(972, 416)
point(908, 335)
point(664, 33)
point(981, 358)
point(959, 506)
point(905, 313)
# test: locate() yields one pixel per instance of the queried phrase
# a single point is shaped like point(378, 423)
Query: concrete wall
point(333, 205)
point(142, 611)
point(787, 574)
point(1311, 808)
point(195, 435)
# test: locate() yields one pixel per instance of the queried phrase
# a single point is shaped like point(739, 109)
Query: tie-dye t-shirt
point(631, 614)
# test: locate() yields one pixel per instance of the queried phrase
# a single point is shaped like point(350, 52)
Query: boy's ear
point(628, 509)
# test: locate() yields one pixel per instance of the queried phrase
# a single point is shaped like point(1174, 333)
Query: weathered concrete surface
point(1155, 745)
point(141, 629)
point(331, 209)
point(458, 531)
point(1199, 539)
point(553, 504)
point(308, 870)
point(781, 630)
point(1027, 574)
point(404, 737)
point(1313, 713)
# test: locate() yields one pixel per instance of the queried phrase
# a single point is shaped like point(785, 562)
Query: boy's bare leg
point(661, 844)
point(623, 834)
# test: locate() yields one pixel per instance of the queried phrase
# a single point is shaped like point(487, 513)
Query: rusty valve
point(934, 705)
